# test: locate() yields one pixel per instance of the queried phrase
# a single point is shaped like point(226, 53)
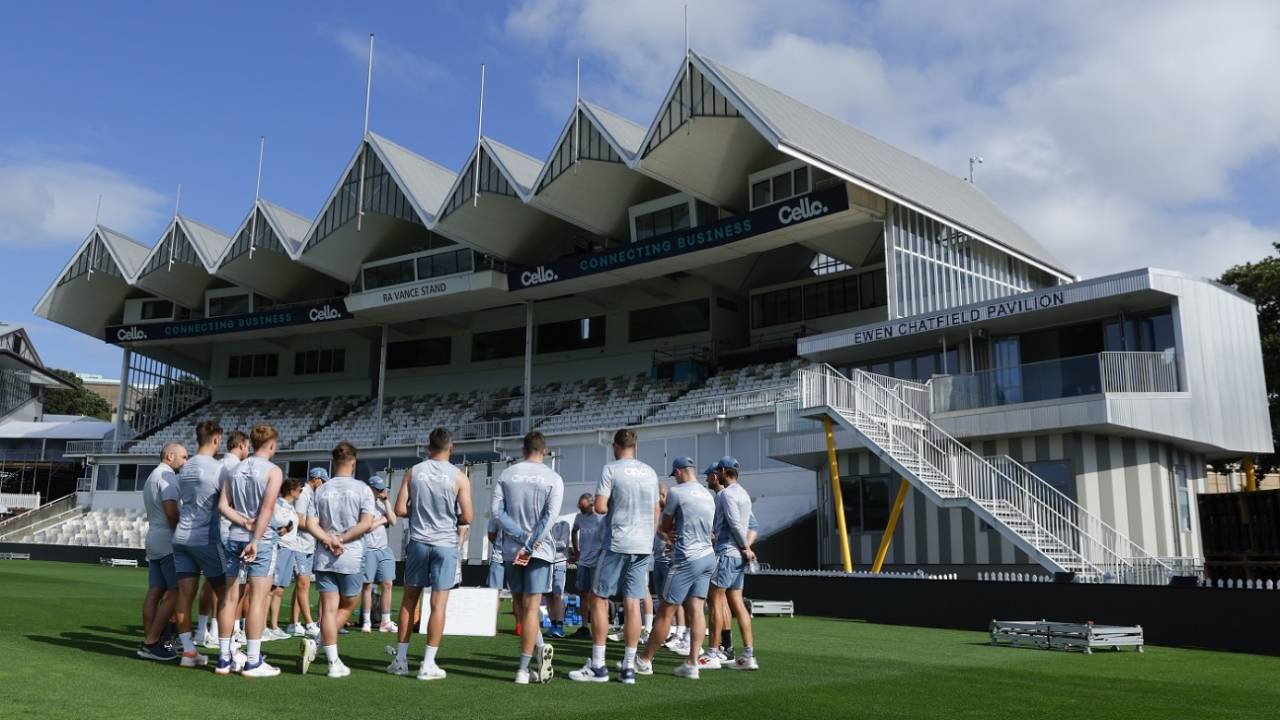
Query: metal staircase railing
point(893, 414)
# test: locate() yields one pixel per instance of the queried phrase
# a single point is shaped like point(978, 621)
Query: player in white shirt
point(435, 499)
point(379, 562)
point(344, 512)
point(285, 520)
point(733, 538)
point(526, 500)
point(237, 450)
point(301, 621)
point(628, 495)
point(160, 499)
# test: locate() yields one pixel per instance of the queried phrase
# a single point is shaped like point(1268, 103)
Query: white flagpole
point(257, 195)
point(364, 139)
point(475, 189)
point(173, 230)
point(688, 81)
point(577, 110)
point(93, 241)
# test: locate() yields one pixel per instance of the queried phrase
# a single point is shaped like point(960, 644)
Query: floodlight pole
point(836, 495)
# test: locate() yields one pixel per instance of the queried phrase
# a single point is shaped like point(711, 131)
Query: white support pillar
point(382, 383)
point(528, 366)
point(122, 396)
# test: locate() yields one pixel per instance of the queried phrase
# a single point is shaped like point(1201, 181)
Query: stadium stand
point(103, 528)
point(294, 418)
point(748, 389)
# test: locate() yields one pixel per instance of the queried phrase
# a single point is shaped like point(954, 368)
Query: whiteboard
point(471, 611)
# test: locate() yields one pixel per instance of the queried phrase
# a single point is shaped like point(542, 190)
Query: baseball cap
point(681, 463)
point(319, 472)
point(712, 469)
point(728, 461)
point(377, 483)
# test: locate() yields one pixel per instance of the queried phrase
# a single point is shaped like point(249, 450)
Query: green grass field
point(68, 634)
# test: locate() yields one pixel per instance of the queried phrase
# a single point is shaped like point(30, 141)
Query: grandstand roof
point(57, 427)
point(94, 283)
point(267, 264)
point(182, 264)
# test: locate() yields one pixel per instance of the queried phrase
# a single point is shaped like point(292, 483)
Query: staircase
point(892, 418)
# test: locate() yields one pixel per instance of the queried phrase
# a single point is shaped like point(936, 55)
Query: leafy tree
point(1261, 281)
point(75, 401)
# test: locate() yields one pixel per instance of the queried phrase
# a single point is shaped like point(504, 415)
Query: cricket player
point(379, 562)
point(301, 621)
point(197, 541)
point(160, 499)
point(560, 531)
point(585, 542)
point(285, 521)
point(733, 553)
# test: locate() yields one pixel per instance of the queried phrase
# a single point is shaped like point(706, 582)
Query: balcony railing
point(1107, 372)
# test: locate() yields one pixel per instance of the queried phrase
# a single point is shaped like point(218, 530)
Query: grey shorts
point(161, 573)
point(529, 579)
point(583, 578)
point(430, 566)
point(263, 565)
point(284, 567)
point(379, 565)
point(497, 575)
point(730, 572)
point(558, 572)
point(345, 584)
point(622, 575)
point(688, 579)
point(302, 564)
point(197, 560)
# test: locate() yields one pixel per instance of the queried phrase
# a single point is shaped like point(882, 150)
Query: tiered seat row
point(749, 389)
point(107, 528)
point(293, 418)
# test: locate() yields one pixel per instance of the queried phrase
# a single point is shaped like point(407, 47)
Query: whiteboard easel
point(471, 611)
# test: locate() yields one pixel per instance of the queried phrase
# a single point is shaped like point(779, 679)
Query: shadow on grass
point(131, 630)
point(90, 643)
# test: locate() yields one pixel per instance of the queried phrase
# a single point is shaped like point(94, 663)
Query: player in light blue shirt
point(301, 620)
point(687, 516)
point(733, 538)
point(585, 543)
point(379, 562)
point(560, 531)
point(628, 495)
point(526, 500)
point(344, 511)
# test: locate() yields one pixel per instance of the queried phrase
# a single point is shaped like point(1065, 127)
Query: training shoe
point(707, 661)
point(313, 630)
point(542, 670)
point(685, 670)
point(725, 653)
point(398, 666)
point(366, 628)
point(745, 663)
point(522, 677)
point(225, 666)
point(431, 672)
point(210, 642)
point(614, 635)
point(583, 632)
point(260, 670)
point(644, 667)
point(590, 674)
point(678, 647)
point(338, 670)
point(238, 636)
point(295, 630)
point(557, 631)
point(307, 655)
point(644, 637)
point(388, 626)
point(627, 676)
point(156, 651)
point(193, 659)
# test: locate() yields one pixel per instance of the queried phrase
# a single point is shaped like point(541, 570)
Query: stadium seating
point(605, 402)
point(106, 528)
point(749, 389)
point(293, 418)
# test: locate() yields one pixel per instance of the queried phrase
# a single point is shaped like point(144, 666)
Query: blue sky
point(1128, 136)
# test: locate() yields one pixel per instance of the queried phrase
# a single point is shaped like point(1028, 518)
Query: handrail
point(49, 509)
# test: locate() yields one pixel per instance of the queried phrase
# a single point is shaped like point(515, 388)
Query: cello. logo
point(537, 276)
point(130, 333)
point(806, 210)
point(327, 312)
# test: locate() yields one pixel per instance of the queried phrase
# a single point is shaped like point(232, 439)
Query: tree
point(78, 400)
point(1261, 281)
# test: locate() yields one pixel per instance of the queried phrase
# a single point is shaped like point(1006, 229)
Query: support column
point(122, 396)
point(1250, 478)
point(887, 539)
point(382, 383)
point(528, 366)
point(837, 496)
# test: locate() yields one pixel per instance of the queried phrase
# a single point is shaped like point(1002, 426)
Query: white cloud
point(45, 200)
point(1112, 132)
point(392, 63)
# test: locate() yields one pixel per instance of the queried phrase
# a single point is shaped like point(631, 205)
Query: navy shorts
point(379, 565)
point(622, 575)
point(582, 579)
point(529, 579)
point(161, 573)
point(196, 560)
point(430, 566)
point(284, 567)
point(347, 585)
point(688, 579)
point(730, 572)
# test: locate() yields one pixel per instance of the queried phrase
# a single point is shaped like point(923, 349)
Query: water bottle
point(753, 567)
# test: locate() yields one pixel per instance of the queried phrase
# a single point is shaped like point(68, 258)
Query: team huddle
point(251, 532)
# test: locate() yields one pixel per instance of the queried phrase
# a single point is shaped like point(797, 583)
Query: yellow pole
point(837, 496)
point(887, 539)
point(1250, 479)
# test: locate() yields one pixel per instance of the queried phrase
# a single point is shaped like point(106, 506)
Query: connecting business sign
point(804, 208)
point(327, 311)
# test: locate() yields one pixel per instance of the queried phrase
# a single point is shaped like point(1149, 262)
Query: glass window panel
point(800, 180)
point(644, 227)
point(760, 194)
point(680, 216)
point(782, 186)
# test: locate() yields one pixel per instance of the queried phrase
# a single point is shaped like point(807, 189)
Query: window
point(780, 185)
point(1057, 473)
point(831, 297)
point(224, 305)
point(320, 362)
point(427, 352)
point(761, 194)
point(157, 309)
point(823, 264)
point(107, 477)
point(571, 335)
point(395, 273)
point(661, 222)
point(1182, 484)
point(919, 367)
point(255, 365)
point(444, 263)
point(127, 479)
point(777, 307)
point(497, 344)
point(834, 296)
point(867, 502)
point(667, 320)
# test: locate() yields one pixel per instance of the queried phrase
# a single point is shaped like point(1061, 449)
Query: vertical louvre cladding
point(491, 181)
point(695, 96)
point(155, 392)
point(937, 267)
point(266, 239)
point(95, 256)
point(592, 145)
point(175, 246)
point(381, 196)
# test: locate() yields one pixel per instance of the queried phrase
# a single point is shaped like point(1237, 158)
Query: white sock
point(255, 651)
point(212, 630)
point(537, 639)
point(239, 626)
point(202, 626)
point(648, 623)
point(681, 631)
point(331, 653)
point(524, 661)
point(430, 658)
point(402, 652)
point(629, 658)
point(187, 645)
point(366, 617)
point(597, 656)
point(224, 647)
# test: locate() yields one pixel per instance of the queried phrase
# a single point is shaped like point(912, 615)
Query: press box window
point(157, 309)
point(320, 362)
point(427, 352)
point(224, 305)
point(569, 335)
point(780, 183)
point(667, 320)
point(661, 222)
point(497, 344)
point(251, 366)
